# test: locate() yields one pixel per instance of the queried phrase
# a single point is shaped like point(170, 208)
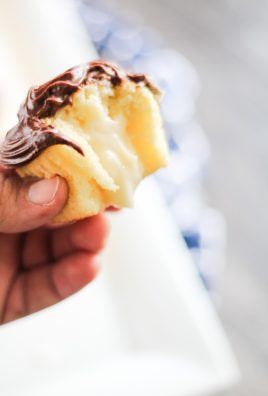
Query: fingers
point(36, 249)
point(32, 291)
point(9, 259)
point(73, 272)
point(15, 304)
point(46, 285)
point(88, 234)
point(25, 206)
point(44, 245)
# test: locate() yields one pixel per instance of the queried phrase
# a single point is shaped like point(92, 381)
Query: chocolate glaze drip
point(28, 139)
point(33, 134)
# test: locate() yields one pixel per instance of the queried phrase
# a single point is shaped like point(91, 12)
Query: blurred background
point(210, 58)
point(227, 43)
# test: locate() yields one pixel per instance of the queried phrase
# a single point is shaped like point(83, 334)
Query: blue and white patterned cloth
point(124, 40)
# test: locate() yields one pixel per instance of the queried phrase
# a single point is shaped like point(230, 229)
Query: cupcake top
point(33, 134)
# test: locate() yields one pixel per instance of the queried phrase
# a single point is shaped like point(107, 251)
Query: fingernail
point(43, 192)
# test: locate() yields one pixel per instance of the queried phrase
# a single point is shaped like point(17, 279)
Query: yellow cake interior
point(120, 133)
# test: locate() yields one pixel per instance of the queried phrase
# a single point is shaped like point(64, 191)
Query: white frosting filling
point(88, 119)
point(117, 156)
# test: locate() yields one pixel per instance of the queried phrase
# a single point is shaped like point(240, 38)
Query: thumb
point(25, 206)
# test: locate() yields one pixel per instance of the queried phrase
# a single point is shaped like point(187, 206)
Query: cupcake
point(96, 126)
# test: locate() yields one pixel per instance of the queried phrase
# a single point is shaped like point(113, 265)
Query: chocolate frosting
point(33, 134)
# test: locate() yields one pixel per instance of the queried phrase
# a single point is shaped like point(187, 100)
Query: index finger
point(88, 234)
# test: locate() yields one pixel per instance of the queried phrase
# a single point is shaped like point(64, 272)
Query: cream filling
point(119, 159)
point(88, 120)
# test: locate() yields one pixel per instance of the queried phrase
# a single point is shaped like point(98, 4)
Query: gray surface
point(227, 41)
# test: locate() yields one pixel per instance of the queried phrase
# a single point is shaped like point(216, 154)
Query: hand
point(40, 266)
